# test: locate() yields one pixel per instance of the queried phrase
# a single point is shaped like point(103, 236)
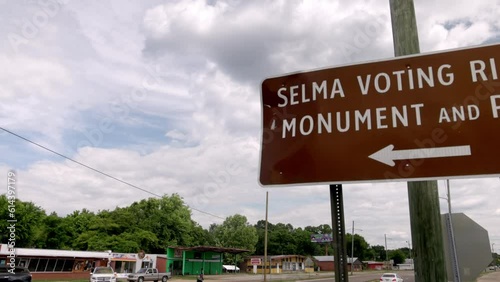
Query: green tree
point(406, 251)
point(321, 249)
point(320, 229)
point(236, 232)
point(304, 245)
point(78, 222)
point(378, 253)
point(360, 246)
point(77, 226)
point(151, 225)
point(398, 256)
point(29, 222)
point(169, 219)
point(260, 226)
point(201, 237)
point(282, 240)
point(53, 234)
point(285, 239)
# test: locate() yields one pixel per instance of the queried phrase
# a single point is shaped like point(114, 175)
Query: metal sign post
point(338, 226)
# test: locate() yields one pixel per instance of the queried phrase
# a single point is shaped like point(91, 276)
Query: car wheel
point(164, 279)
point(141, 279)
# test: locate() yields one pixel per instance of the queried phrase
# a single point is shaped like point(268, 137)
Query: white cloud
point(453, 24)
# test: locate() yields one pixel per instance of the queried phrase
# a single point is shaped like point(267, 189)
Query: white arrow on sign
point(388, 155)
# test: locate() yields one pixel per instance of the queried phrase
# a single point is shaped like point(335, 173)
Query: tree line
point(154, 224)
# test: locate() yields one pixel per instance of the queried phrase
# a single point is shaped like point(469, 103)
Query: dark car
point(17, 274)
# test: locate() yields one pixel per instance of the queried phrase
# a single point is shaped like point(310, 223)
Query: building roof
point(213, 249)
point(286, 256)
point(331, 258)
point(309, 262)
point(374, 262)
point(324, 258)
point(350, 260)
point(277, 256)
point(55, 253)
point(230, 267)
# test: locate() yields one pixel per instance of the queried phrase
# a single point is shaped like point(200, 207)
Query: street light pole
point(454, 257)
point(386, 257)
point(352, 247)
point(409, 249)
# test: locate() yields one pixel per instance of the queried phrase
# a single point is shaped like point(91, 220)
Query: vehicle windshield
point(389, 275)
point(101, 270)
point(142, 270)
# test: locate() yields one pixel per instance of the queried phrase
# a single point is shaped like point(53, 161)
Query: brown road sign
point(417, 117)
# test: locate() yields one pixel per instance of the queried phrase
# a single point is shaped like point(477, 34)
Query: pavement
point(259, 277)
point(300, 276)
point(490, 276)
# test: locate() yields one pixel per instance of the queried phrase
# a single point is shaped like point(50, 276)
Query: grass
point(69, 280)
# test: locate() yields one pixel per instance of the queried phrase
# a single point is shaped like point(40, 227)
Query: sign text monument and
point(415, 117)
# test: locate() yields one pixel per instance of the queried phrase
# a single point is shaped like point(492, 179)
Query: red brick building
point(374, 265)
point(327, 263)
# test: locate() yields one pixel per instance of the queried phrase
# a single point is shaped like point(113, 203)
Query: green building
point(194, 260)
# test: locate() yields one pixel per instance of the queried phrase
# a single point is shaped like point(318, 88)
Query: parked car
point(149, 274)
point(122, 276)
point(103, 274)
point(18, 274)
point(391, 277)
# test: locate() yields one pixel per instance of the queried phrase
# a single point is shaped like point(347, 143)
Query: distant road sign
point(416, 117)
point(255, 261)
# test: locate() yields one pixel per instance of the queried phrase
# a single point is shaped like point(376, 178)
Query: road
point(493, 276)
point(369, 276)
point(365, 276)
point(316, 277)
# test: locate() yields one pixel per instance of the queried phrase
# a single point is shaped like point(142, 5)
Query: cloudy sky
point(165, 95)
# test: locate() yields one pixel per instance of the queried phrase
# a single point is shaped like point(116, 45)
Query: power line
point(98, 171)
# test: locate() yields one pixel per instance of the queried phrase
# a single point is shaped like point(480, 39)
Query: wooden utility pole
point(423, 197)
point(426, 233)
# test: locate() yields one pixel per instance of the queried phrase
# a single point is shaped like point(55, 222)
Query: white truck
point(149, 274)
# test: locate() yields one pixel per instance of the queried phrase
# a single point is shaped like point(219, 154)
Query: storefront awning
point(213, 249)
